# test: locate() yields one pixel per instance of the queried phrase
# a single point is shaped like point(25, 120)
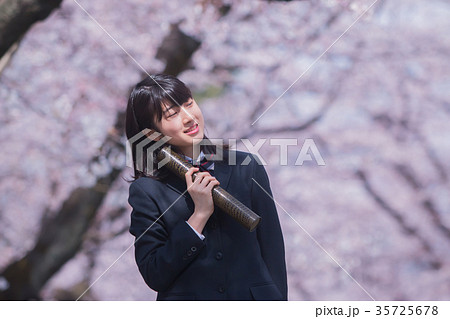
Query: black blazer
point(231, 263)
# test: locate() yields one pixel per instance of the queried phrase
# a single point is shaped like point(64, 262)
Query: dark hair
point(145, 107)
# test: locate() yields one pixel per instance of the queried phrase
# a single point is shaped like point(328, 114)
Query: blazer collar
point(221, 171)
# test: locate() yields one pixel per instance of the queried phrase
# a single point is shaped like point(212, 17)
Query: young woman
point(186, 248)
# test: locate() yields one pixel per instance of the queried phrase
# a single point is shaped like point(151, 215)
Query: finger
point(206, 174)
point(207, 180)
point(202, 179)
point(188, 175)
point(201, 175)
point(212, 184)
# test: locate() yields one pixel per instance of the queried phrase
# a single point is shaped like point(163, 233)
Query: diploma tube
point(222, 199)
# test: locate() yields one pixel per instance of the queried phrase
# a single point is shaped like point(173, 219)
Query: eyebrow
point(167, 109)
point(174, 105)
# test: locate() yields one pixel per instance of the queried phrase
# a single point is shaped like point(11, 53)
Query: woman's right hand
point(201, 191)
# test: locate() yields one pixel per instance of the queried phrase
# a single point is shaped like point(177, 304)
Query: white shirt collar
point(200, 157)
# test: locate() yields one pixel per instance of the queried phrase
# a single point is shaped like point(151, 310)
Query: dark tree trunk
point(59, 240)
point(61, 237)
point(17, 16)
point(176, 50)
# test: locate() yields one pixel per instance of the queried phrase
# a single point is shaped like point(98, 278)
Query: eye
point(174, 113)
point(188, 103)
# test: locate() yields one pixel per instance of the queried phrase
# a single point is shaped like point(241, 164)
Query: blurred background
point(376, 104)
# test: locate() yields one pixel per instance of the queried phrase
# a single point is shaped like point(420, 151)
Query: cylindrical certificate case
point(222, 199)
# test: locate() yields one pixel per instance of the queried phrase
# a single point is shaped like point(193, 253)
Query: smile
point(194, 129)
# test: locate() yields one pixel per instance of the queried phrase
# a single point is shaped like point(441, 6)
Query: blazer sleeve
point(160, 255)
point(268, 231)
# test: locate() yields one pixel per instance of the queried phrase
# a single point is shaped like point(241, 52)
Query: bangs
point(169, 97)
point(149, 96)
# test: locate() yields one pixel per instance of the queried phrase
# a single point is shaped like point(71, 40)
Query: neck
point(185, 151)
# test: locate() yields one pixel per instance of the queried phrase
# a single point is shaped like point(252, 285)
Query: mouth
point(192, 130)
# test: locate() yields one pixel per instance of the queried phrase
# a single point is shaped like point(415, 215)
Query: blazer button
point(193, 249)
point(219, 256)
point(221, 289)
point(189, 253)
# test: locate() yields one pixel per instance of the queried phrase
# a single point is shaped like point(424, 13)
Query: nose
point(188, 118)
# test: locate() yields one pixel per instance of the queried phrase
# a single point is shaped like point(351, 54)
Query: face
point(176, 121)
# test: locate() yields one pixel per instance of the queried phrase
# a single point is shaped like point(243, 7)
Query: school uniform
point(226, 261)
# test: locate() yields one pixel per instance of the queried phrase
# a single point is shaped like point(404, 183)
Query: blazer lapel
point(178, 185)
point(223, 173)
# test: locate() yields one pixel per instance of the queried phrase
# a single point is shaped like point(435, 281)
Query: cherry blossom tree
point(366, 81)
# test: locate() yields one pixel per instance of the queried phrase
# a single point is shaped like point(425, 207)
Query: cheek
point(173, 129)
point(200, 114)
point(159, 128)
point(157, 124)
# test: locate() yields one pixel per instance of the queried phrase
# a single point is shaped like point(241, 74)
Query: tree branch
point(398, 218)
point(17, 16)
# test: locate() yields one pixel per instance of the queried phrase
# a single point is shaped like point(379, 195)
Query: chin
point(199, 138)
